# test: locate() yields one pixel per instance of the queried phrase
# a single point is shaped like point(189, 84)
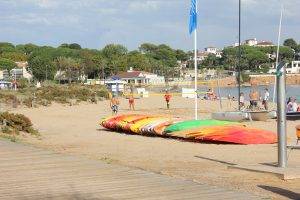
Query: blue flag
point(193, 16)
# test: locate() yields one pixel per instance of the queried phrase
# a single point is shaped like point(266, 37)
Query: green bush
point(54, 93)
point(13, 123)
point(245, 78)
point(23, 83)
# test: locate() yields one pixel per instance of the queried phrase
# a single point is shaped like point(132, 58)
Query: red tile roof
point(265, 43)
point(133, 74)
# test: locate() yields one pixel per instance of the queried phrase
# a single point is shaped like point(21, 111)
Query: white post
point(277, 54)
point(196, 70)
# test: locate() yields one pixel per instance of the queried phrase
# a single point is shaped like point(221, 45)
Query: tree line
point(255, 59)
point(75, 61)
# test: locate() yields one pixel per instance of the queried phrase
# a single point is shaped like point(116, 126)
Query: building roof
point(22, 64)
point(254, 39)
point(205, 53)
point(265, 43)
point(132, 74)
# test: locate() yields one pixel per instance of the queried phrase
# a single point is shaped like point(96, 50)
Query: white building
point(251, 42)
point(21, 71)
point(116, 85)
point(140, 78)
point(4, 75)
point(219, 54)
point(201, 56)
point(255, 43)
point(294, 68)
point(212, 50)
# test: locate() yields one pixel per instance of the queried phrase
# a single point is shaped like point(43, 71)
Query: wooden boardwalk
point(31, 173)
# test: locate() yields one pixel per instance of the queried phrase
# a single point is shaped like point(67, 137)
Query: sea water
point(291, 91)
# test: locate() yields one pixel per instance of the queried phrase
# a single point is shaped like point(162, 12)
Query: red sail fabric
point(155, 125)
point(237, 135)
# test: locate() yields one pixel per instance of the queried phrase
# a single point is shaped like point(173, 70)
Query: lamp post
point(281, 110)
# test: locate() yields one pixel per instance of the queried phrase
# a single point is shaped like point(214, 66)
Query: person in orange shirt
point(168, 98)
point(131, 102)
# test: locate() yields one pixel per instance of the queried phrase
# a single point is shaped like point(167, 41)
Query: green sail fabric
point(180, 126)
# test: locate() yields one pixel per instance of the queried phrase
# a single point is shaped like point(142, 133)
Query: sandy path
point(75, 130)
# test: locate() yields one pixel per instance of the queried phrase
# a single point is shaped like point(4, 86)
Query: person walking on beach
point(266, 99)
point(131, 102)
point(253, 99)
point(292, 105)
point(114, 105)
point(168, 98)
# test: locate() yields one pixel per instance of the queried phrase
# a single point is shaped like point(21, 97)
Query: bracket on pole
point(279, 68)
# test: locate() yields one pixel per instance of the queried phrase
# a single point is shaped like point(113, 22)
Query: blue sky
point(95, 23)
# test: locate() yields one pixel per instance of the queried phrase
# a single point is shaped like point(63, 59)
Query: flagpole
point(239, 60)
point(277, 54)
point(196, 75)
point(196, 69)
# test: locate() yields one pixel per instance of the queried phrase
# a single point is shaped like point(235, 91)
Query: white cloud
point(46, 4)
point(144, 5)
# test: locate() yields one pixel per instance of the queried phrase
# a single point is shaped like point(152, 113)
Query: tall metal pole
point(196, 70)
point(281, 120)
point(278, 48)
point(239, 58)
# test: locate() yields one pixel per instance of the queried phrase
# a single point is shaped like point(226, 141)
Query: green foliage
point(71, 46)
point(162, 58)
point(245, 78)
point(27, 49)
point(63, 93)
point(42, 67)
point(7, 64)
point(44, 61)
point(6, 47)
point(114, 50)
point(253, 57)
point(115, 55)
point(70, 68)
point(181, 55)
point(14, 56)
point(23, 83)
point(264, 68)
point(211, 61)
point(290, 42)
point(8, 135)
point(16, 123)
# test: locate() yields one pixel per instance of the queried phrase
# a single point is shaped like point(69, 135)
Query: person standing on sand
point(253, 99)
point(266, 99)
point(168, 98)
point(131, 102)
point(114, 105)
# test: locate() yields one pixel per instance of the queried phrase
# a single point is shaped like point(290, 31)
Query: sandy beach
point(76, 130)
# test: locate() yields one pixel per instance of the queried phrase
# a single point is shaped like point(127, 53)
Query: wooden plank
point(39, 174)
